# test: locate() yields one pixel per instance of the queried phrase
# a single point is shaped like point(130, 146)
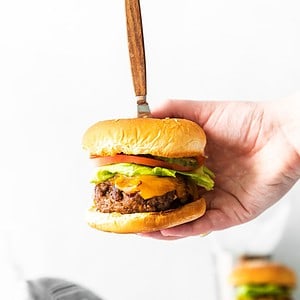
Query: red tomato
point(140, 160)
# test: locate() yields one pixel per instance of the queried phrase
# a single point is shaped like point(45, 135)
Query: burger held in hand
point(149, 174)
point(262, 279)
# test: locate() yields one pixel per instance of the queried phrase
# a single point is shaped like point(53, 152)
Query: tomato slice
point(140, 160)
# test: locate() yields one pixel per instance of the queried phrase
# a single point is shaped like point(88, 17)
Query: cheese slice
point(149, 186)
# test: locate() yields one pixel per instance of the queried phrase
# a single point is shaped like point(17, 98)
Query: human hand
point(253, 149)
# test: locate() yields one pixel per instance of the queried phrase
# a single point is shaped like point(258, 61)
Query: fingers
point(197, 111)
point(200, 227)
point(158, 236)
point(173, 108)
point(213, 220)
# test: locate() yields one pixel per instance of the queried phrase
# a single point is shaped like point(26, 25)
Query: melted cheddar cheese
point(149, 186)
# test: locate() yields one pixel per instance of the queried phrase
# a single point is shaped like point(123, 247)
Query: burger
point(149, 174)
point(262, 279)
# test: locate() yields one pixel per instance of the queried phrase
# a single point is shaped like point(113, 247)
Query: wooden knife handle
point(136, 46)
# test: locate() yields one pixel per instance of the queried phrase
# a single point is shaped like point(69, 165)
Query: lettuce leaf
point(202, 176)
point(251, 290)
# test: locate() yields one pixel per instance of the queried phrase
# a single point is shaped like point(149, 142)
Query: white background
point(63, 66)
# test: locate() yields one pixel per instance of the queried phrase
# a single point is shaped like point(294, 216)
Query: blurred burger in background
point(260, 278)
point(149, 174)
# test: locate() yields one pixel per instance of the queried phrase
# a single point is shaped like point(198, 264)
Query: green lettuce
point(251, 290)
point(202, 176)
point(183, 161)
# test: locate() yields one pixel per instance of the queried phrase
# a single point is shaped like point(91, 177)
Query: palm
point(232, 157)
point(246, 170)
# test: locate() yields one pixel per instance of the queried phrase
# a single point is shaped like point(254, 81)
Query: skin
point(254, 150)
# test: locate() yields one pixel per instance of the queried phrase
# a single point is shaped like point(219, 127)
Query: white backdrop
point(63, 66)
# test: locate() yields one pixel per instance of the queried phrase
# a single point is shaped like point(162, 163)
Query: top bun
point(262, 272)
point(159, 137)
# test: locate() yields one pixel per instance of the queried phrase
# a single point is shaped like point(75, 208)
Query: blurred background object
point(260, 277)
point(64, 66)
point(258, 238)
point(47, 288)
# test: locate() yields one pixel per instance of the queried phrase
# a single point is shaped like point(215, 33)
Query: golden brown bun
point(262, 272)
point(145, 222)
point(159, 137)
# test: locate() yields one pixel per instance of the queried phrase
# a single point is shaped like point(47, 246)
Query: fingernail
point(204, 234)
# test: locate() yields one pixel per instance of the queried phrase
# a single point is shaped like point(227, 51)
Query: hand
point(252, 150)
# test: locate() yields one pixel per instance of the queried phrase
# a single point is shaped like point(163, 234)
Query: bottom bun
point(147, 221)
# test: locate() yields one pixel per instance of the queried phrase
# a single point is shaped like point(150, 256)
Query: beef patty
point(109, 199)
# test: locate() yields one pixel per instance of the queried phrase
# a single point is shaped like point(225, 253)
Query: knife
point(137, 55)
